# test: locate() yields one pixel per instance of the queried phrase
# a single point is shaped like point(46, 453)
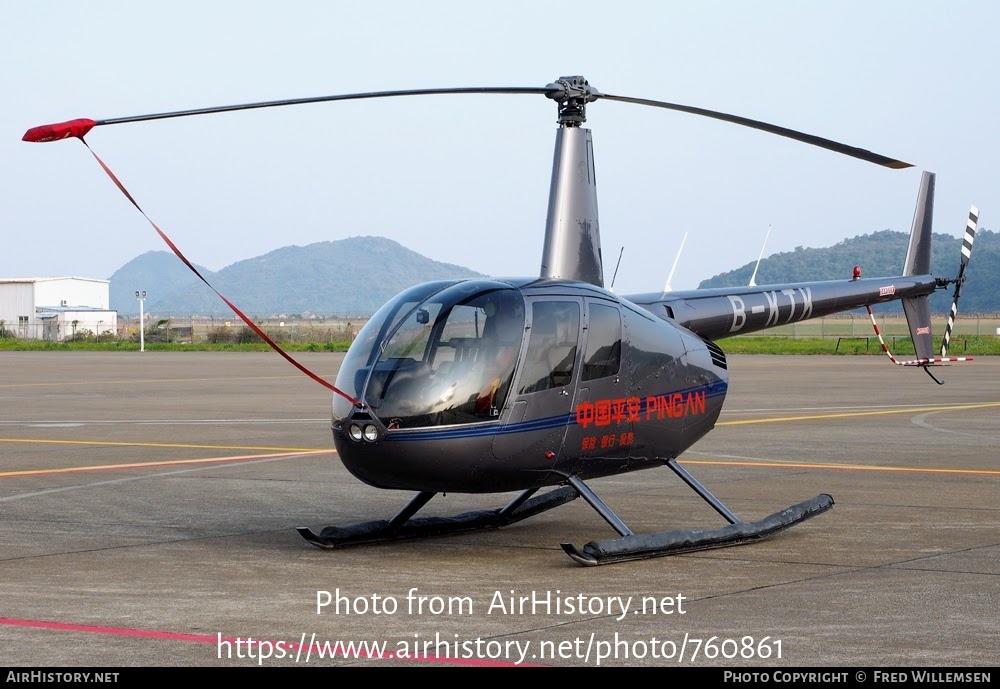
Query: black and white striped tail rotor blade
point(970, 236)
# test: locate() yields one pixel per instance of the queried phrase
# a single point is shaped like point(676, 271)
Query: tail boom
point(724, 312)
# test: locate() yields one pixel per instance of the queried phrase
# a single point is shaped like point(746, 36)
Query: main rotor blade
point(828, 144)
point(324, 99)
point(78, 128)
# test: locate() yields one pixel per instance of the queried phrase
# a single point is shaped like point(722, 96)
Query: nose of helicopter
point(455, 459)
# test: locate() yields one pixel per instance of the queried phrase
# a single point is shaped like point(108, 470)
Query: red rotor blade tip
point(62, 130)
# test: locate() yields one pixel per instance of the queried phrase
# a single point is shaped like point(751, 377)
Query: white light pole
point(141, 296)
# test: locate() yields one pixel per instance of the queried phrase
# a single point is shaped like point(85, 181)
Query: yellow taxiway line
point(844, 415)
point(144, 465)
point(152, 380)
point(113, 443)
point(852, 467)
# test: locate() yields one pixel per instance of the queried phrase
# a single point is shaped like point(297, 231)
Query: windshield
point(365, 348)
point(449, 360)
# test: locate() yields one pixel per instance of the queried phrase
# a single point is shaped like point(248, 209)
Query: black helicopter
point(502, 385)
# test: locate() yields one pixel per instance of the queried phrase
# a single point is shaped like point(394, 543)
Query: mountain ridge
point(349, 277)
point(881, 254)
point(355, 276)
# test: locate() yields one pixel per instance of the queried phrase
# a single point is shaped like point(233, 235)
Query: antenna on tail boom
point(753, 278)
point(670, 277)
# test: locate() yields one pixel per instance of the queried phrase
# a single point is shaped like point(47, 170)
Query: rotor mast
point(572, 247)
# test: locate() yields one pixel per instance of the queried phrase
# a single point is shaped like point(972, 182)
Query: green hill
point(354, 277)
point(349, 277)
point(157, 272)
point(881, 254)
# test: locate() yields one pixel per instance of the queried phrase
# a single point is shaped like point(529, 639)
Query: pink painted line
point(114, 631)
point(206, 639)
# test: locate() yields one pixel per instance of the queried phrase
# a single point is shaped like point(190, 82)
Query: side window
point(604, 343)
point(551, 355)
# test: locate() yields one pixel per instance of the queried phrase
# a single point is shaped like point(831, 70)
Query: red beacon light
point(857, 272)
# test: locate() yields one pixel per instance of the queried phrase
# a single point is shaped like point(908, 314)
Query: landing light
point(355, 432)
point(371, 433)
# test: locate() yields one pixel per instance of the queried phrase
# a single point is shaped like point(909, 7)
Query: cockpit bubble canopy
point(438, 354)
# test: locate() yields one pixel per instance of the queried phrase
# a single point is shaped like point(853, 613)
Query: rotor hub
point(572, 94)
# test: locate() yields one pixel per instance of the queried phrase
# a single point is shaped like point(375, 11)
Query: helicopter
point(545, 383)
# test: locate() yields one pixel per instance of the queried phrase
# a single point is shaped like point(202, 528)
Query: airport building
point(55, 308)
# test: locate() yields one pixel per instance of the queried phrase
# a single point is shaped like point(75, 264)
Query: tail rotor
point(970, 236)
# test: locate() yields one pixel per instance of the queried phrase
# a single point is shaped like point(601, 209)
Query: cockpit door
point(604, 411)
point(544, 387)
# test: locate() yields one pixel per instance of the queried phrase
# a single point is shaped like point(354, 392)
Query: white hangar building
point(56, 308)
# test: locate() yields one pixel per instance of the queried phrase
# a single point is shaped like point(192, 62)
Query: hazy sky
point(465, 179)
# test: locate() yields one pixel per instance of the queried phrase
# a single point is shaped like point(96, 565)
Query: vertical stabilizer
point(918, 255)
point(918, 262)
point(918, 317)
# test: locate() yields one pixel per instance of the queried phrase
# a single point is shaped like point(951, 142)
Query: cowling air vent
point(718, 356)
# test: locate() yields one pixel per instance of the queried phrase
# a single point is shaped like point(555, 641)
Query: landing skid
point(402, 527)
point(629, 546)
point(644, 546)
point(632, 546)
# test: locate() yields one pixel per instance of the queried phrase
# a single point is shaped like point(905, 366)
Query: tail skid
point(922, 362)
